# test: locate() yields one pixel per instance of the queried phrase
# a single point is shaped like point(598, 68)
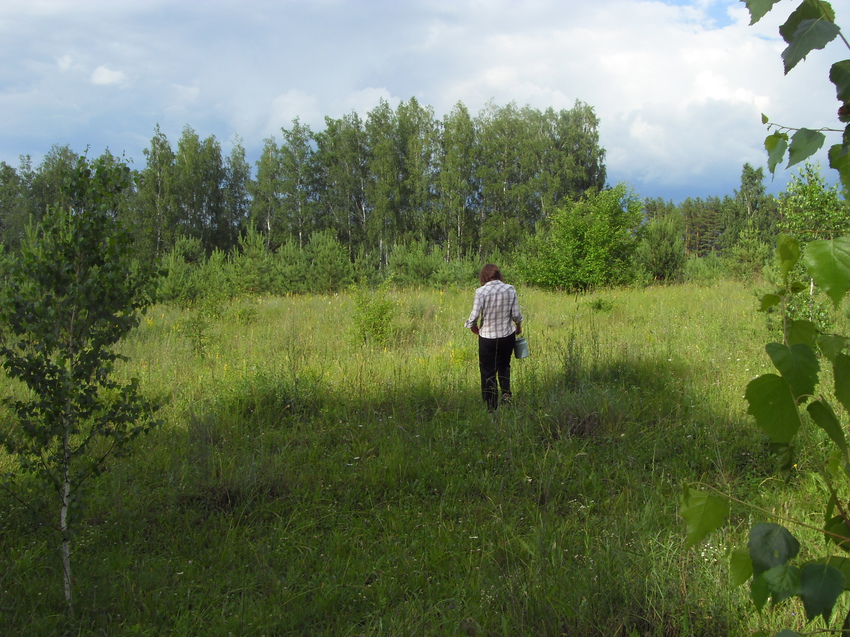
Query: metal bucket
point(521, 347)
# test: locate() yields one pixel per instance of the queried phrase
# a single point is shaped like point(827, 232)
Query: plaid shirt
point(497, 305)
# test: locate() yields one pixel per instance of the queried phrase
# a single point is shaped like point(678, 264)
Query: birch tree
point(70, 296)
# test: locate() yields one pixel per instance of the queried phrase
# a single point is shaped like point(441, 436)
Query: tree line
point(404, 194)
point(469, 184)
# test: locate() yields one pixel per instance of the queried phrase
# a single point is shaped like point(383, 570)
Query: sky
point(679, 86)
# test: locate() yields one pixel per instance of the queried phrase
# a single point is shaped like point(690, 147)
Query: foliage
point(703, 225)
point(747, 258)
point(292, 269)
point(253, 268)
point(661, 249)
point(810, 209)
point(374, 316)
point(414, 264)
point(751, 216)
point(787, 404)
point(706, 270)
point(783, 405)
point(70, 297)
point(327, 262)
point(811, 26)
point(588, 243)
point(468, 184)
point(181, 283)
point(455, 273)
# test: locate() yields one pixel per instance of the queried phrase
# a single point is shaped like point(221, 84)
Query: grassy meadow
point(310, 481)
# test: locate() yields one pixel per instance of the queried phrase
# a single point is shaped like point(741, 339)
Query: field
point(310, 479)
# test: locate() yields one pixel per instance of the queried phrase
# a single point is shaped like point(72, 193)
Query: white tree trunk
point(63, 525)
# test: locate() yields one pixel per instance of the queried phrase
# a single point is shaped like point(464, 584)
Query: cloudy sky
point(679, 85)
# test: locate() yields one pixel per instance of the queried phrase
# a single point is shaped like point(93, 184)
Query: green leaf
point(839, 74)
point(797, 286)
point(802, 332)
point(837, 532)
point(773, 407)
point(804, 143)
point(841, 563)
point(775, 144)
point(703, 513)
point(820, 586)
point(787, 253)
point(798, 365)
point(783, 454)
point(759, 592)
point(787, 632)
point(841, 374)
point(839, 159)
point(825, 418)
point(783, 581)
point(768, 301)
point(828, 263)
point(810, 35)
point(831, 345)
point(758, 8)
point(740, 566)
point(808, 10)
point(771, 545)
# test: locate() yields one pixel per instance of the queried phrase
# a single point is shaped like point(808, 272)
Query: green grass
point(312, 480)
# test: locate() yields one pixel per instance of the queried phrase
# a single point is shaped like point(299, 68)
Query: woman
point(496, 307)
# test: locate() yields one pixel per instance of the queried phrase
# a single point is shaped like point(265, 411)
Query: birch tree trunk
point(63, 525)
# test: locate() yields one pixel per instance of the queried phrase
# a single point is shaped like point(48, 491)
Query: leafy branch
point(811, 26)
point(783, 404)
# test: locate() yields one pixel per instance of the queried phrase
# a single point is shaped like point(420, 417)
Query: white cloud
point(364, 100)
point(678, 85)
point(288, 106)
point(104, 76)
point(184, 95)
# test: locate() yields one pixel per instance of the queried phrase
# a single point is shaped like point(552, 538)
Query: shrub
point(374, 315)
point(588, 243)
point(661, 250)
point(707, 269)
point(327, 262)
point(414, 264)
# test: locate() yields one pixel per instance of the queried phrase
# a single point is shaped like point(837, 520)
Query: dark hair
point(489, 273)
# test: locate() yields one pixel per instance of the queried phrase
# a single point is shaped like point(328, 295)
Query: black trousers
point(494, 361)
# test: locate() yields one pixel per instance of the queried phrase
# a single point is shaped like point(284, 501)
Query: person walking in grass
point(497, 321)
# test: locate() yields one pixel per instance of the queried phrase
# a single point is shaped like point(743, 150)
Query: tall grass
point(310, 481)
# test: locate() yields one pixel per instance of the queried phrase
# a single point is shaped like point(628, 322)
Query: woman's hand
point(474, 329)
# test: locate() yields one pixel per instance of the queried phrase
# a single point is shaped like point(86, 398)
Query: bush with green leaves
point(456, 273)
point(749, 255)
point(374, 315)
point(810, 209)
point(705, 270)
point(588, 243)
